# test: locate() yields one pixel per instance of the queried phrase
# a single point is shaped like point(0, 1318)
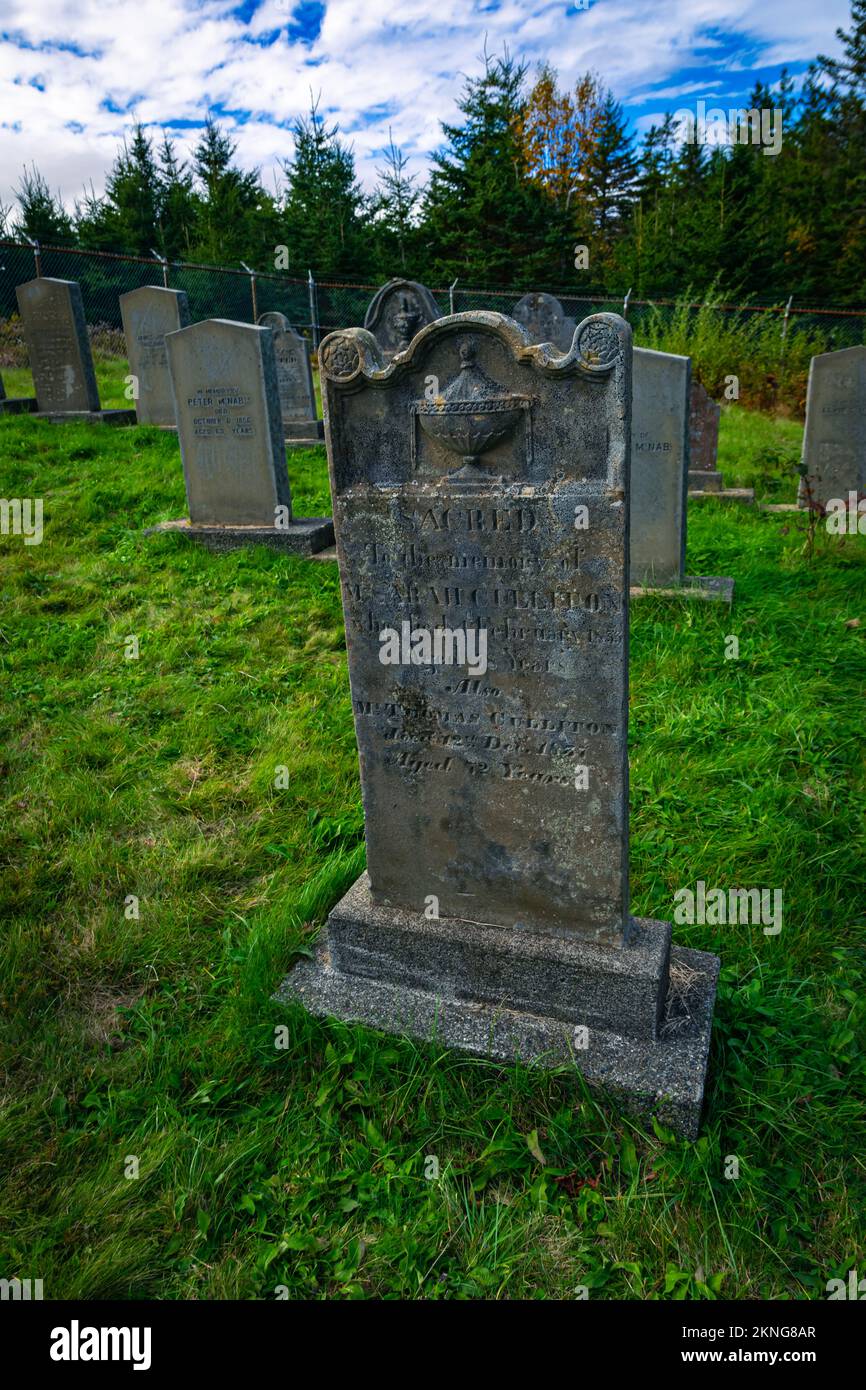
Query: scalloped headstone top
point(397, 312)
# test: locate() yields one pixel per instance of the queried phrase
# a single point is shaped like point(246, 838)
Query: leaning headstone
point(295, 380)
point(227, 405)
point(482, 536)
point(148, 314)
point(52, 312)
point(15, 405)
point(834, 444)
point(398, 311)
point(545, 320)
point(659, 479)
point(704, 476)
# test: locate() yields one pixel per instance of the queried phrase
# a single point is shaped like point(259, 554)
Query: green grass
point(110, 373)
point(304, 1166)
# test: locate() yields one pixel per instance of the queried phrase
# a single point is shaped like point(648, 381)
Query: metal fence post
point(625, 304)
point(314, 316)
point(252, 275)
point(785, 318)
point(37, 255)
point(451, 296)
point(164, 263)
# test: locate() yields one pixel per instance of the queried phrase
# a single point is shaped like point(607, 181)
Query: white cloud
point(377, 63)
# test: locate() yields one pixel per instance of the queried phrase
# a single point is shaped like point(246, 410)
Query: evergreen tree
point(849, 71)
point(394, 211)
point(611, 175)
point(177, 204)
point(94, 224)
point(236, 219)
point(484, 219)
point(132, 196)
point(125, 217)
point(41, 214)
point(645, 254)
point(325, 228)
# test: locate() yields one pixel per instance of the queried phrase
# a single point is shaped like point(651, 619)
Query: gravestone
point(659, 478)
point(398, 311)
point(15, 405)
point(148, 314)
point(834, 443)
point(705, 478)
point(295, 381)
point(704, 415)
point(545, 320)
point(227, 406)
point(52, 312)
point(481, 524)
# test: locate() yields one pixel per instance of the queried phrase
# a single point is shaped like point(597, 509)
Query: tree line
point(529, 173)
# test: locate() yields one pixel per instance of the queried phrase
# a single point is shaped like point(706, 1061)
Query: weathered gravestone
point(397, 312)
point(481, 528)
point(224, 380)
point(52, 312)
point(15, 405)
point(148, 314)
point(659, 478)
point(704, 477)
point(545, 320)
point(704, 415)
point(834, 444)
point(295, 382)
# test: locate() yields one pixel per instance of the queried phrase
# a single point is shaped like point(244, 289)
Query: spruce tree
point(132, 196)
point(323, 210)
point(177, 204)
point(394, 211)
point(484, 219)
point(235, 218)
point(611, 175)
point(41, 215)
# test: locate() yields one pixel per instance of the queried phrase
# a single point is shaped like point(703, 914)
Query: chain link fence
point(315, 308)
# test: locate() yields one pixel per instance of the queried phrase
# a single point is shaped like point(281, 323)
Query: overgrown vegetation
point(152, 1037)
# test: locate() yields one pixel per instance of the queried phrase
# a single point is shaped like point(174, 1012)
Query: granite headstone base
point(87, 417)
point(713, 588)
point(17, 405)
point(647, 1006)
point(710, 483)
point(302, 433)
point(305, 535)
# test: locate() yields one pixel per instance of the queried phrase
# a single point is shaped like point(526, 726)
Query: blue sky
point(74, 74)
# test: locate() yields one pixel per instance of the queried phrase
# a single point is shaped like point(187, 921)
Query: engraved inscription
point(225, 414)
